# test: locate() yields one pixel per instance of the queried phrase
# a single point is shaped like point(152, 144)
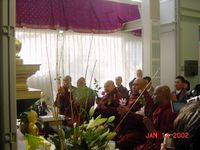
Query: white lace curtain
point(63, 53)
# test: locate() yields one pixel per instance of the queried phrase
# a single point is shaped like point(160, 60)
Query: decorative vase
point(18, 46)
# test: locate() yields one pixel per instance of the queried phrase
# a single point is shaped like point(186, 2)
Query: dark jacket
point(123, 90)
point(182, 96)
point(131, 83)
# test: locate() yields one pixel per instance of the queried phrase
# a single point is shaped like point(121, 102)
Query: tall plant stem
point(93, 72)
point(88, 58)
point(72, 113)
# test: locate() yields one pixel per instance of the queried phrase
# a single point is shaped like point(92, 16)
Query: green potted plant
point(90, 135)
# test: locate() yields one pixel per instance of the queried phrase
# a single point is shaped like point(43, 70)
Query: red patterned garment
point(108, 104)
point(145, 100)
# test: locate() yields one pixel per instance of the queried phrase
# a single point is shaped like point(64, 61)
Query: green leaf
point(111, 135)
point(97, 118)
point(95, 123)
point(111, 119)
point(91, 112)
point(101, 137)
point(100, 129)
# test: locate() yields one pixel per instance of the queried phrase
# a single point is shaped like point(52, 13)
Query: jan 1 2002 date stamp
point(174, 135)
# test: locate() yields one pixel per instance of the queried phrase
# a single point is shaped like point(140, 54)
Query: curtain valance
point(97, 16)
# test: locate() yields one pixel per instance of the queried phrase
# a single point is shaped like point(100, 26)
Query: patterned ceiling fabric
point(96, 16)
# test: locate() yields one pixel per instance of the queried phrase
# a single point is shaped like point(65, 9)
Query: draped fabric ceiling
point(96, 16)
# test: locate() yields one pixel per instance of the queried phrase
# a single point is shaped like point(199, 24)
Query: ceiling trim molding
point(127, 2)
point(169, 27)
point(132, 25)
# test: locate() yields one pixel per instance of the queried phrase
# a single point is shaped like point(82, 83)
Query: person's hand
point(122, 109)
point(100, 103)
point(173, 97)
point(163, 147)
point(148, 123)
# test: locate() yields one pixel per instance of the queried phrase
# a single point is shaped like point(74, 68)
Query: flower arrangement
point(92, 135)
point(89, 133)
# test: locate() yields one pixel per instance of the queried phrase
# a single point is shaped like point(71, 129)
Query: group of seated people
point(141, 111)
point(74, 101)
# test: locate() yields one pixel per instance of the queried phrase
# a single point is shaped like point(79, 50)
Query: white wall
point(190, 4)
point(189, 35)
point(172, 58)
point(168, 55)
point(167, 11)
point(173, 55)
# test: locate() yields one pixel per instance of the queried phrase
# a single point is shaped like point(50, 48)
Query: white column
point(151, 38)
point(168, 43)
point(146, 36)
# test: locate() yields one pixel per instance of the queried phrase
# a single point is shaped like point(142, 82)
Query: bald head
point(138, 85)
point(109, 86)
point(162, 94)
point(139, 73)
point(67, 81)
point(118, 81)
point(81, 82)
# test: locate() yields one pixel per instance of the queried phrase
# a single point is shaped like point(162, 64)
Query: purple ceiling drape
point(97, 16)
